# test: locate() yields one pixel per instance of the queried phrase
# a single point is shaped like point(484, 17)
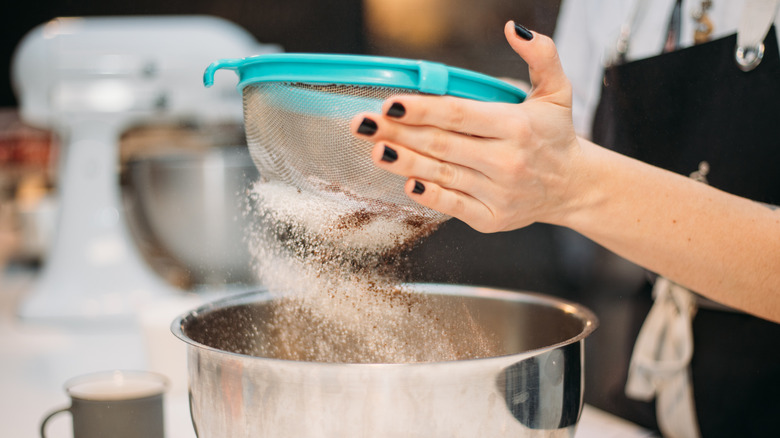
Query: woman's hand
point(495, 166)
point(500, 167)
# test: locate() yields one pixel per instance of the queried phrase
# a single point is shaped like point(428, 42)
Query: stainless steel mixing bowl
point(191, 204)
point(533, 388)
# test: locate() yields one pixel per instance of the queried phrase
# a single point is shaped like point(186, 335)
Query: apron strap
point(659, 366)
point(757, 17)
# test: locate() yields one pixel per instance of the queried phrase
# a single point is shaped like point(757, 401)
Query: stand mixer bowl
point(533, 388)
point(191, 205)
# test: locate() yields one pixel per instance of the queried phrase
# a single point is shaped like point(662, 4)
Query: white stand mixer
point(89, 80)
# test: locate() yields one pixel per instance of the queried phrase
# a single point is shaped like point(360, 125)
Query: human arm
point(500, 167)
point(720, 245)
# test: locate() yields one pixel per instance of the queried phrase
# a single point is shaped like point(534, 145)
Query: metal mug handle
point(49, 417)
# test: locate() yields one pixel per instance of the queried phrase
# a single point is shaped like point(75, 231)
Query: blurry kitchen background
point(463, 33)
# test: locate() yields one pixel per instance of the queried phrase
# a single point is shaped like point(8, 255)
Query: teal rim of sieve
point(371, 71)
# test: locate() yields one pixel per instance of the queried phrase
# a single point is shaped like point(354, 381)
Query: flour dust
point(333, 267)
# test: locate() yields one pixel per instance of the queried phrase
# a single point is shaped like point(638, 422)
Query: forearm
point(722, 246)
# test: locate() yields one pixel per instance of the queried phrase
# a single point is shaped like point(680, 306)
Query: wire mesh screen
point(299, 134)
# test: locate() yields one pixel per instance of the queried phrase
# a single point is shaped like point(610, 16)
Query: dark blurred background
point(462, 32)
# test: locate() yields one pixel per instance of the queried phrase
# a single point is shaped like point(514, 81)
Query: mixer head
point(126, 68)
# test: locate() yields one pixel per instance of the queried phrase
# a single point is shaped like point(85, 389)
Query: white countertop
point(37, 359)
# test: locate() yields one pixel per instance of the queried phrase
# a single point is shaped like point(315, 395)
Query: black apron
point(675, 111)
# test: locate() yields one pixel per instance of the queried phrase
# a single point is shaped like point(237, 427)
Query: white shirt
point(587, 32)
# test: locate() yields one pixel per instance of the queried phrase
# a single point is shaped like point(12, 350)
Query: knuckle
point(457, 206)
point(547, 46)
point(518, 165)
point(513, 165)
point(439, 145)
point(446, 174)
point(456, 117)
point(519, 125)
point(421, 112)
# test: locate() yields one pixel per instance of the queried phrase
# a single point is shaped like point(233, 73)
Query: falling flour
point(333, 268)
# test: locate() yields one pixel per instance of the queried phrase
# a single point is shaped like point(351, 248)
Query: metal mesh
point(299, 134)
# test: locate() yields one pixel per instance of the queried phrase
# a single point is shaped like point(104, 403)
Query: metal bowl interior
point(531, 388)
point(523, 322)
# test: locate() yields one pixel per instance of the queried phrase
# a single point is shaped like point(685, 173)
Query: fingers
point(449, 113)
point(406, 162)
point(544, 66)
point(426, 142)
point(452, 203)
point(428, 190)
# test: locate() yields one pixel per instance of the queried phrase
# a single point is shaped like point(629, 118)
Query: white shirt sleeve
point(585, 34)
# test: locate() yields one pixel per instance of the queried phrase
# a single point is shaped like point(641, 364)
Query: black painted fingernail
point(396, 110)
point(419, 188)
point(523, 33)
point(389, 155)
point(367, 127)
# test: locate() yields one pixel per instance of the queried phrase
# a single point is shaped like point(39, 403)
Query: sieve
point(297, 110)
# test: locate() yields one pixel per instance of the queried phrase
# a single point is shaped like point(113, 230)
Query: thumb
point(544, 66)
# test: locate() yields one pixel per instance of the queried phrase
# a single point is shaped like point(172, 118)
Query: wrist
point(583, 192)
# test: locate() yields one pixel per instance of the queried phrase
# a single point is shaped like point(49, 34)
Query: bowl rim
point(590, 323)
